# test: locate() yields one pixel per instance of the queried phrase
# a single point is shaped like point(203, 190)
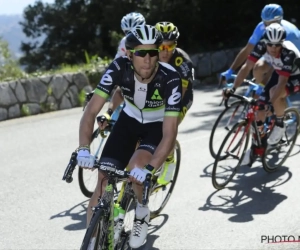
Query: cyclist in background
point(128, 22)
point(271, 13)
point(180, 60)
point(283, 56)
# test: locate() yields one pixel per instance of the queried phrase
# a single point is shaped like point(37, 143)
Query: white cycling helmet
point(131, 20)
point(275, 33)
point(143, 34)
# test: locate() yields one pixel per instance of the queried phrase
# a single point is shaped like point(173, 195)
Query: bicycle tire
point(218, 158)
point(266, 166)
point(156, 212)
point(97, 217)
point(213, 151)
point(85, 191)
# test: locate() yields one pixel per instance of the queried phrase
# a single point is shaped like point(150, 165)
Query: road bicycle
point(232, 113)
point(102, 222)
point(235, 144)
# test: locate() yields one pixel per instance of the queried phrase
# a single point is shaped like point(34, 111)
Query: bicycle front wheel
point(94, 237)
point(160, 194)
point(226, 120)
point(275, 156)
point(230, 155)
point(88, 178)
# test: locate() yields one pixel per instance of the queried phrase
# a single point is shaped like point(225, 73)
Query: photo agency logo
point(279, 239)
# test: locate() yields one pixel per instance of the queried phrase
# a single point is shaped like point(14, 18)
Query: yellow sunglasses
point(167, 47)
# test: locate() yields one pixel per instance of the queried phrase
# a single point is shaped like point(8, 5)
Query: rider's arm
point(284, 74)
point(116, 99)
point(170, 123)
point(242, 56)
point(258, 51)
point(187, 77)
point(98, 100)
point(253, 40)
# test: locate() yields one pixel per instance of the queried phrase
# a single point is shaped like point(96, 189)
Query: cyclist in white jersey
point(271, 13)
point(284, 57)
point(128, 22)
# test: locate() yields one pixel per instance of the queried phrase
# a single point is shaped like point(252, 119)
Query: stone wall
point(42, 94)
point(50, 93)
point(209, 65)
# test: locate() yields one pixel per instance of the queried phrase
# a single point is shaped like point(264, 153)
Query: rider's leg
point(262, 71)
point(151, 135)
point(261, 115)
point(279, 105)
point(118, 149)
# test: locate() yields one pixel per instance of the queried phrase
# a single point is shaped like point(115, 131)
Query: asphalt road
point(40, 211)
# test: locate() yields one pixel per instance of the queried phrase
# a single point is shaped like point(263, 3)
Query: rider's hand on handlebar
point(227, 74)
point(85, 159)
point(227, 91)
point(138, 175)
point(103, 121)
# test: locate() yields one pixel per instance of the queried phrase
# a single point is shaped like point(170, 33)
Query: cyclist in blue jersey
point(262, 71)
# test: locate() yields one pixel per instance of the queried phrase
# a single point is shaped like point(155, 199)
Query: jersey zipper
point(142, 116)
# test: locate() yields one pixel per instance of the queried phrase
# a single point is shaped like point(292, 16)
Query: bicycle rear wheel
point(163, 192)
point(88, 178)
point(233, 147)
point(275, 156)
point(226, 120)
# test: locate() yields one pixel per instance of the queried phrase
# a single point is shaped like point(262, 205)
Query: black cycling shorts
point(291, 87)
point(122, 141)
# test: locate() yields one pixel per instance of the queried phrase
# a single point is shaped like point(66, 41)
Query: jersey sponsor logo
point(287, 67)
point(175, 97)
point(142, 89)
point(157, 85)
point(172, 80)
point(154, 103)
point(117, 65)
point(127, 89)
point(193, 74)
point(106, 78)
point(156, 95)
point(128, 97)
point(178, 61)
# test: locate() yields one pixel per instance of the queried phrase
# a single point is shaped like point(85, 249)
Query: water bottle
point(167, 171)
point(118, 221)
point(116, 213)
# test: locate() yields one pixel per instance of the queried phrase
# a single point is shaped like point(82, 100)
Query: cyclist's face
point(166, 51)
point(274, 49)
point(144, 59)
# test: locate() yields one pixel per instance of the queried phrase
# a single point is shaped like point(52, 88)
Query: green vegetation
point(11, 70)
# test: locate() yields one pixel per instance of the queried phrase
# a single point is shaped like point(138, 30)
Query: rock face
point(64, 91)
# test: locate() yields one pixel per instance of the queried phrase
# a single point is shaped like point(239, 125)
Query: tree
point(71, 27)
point(9, 66)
